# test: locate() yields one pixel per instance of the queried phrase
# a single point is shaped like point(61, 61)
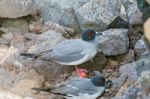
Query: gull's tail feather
point(42, 89)
point(49, 90)
point(30, 55)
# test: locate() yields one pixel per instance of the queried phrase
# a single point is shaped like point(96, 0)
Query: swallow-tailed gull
point(71, 52)
point(79, 88)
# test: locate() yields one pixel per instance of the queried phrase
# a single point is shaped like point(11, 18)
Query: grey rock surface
point(114, 42)
point(25, 80)
point(140, 49)
point(134, 69)
point(16, 8)
point(61, 12)
point(98, 14)
point(138, 79)
point(133, 13)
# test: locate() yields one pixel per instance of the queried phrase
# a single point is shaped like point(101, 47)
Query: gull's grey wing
point(77, 86)
point(65, 52)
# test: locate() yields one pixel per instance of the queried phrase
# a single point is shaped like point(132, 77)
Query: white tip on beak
point(99, 33)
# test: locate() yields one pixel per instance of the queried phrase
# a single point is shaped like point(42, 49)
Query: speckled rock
point(144, 79)
point(140, 48)
point(137, 82)
point(134, 69)
point(61, 12)
point(51, 71)
point(25, 80)
point(132, 11)
point(98, 14)
point(79, 3)
point(44, 41)
point(114, 42)
point(16, 8)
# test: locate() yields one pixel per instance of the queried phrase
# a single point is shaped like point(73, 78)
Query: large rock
point(78, 3)
point(18, 85)
point(134, 69)
point(16, 8)
point(145, 79)
point(98, 14)
point(133, 13)
point(137, 77)
point(44, 41)
point(114, 42)
point(25, 80)
point(61, 12)
point(140, 48)
point(51, 71)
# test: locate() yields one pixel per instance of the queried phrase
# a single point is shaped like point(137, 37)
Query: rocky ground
point(38, 25)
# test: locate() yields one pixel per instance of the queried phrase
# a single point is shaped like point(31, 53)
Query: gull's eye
point(90, 34)
point(102, 80)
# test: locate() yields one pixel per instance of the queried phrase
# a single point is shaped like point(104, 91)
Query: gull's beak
point(99, 33)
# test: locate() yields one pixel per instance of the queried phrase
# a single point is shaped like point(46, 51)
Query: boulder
point(140, 49)
point(60, 12)
point(133, 13)
point(137, 81)
point(98, 14)
point(16, 8)
point(114, 42)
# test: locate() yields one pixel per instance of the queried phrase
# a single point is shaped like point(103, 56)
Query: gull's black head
point(88, 35)
point(98, 80)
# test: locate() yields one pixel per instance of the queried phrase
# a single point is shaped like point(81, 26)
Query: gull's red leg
point(83, 73)
point(77, 70)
